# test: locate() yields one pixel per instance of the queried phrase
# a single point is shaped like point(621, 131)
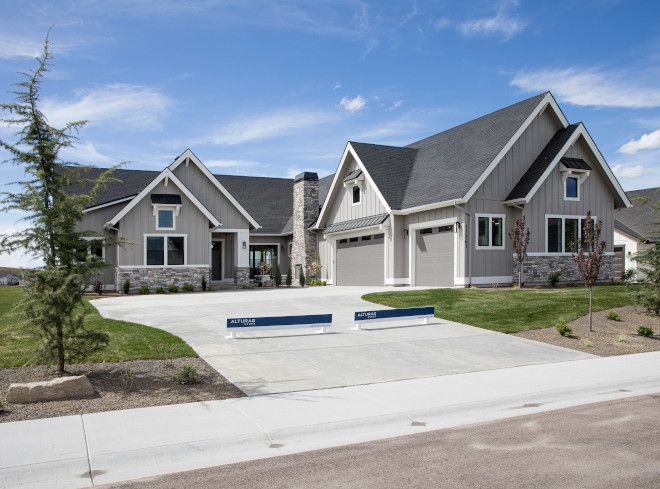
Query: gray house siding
point(595, 195)
point(140, 221)
point(342, 208)
point(208, 194)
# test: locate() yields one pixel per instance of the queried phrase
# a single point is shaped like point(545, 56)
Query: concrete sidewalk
point(77, 451)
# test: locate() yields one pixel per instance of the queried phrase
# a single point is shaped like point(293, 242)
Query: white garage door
point(360, 261)
point(434, 257)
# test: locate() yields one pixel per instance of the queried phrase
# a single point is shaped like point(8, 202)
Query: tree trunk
point(520, 275)
point(590, 310)
point(60, 350)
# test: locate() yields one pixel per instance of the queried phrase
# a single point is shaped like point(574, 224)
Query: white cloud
point(592, 87)
point(628, 171)
point(19, 258)
point(278, 123)
point(338, 85)
point(14, 47)
point(132, 106)
point(85, 153)
point(353, 104)
point(442, 23)
point(230, 163)
point(501, 25)
point(646, 141)
point(395, 105)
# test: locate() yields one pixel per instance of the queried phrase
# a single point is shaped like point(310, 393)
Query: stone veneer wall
point(537, 269)
point(305, 212)
point(162, 277)
point(242, 275)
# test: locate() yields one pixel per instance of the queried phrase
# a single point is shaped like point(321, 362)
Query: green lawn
point(507, 310)
point(128, 341)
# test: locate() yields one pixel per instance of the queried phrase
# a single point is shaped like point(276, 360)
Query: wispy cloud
point(85, 153)
point(135, 106)
point(266, 126)
point(15, 47)
point(19, 258)
point(628, 170)
point(355, 104)
point(233, 164)
point(338, 85)
point(395, 105)
point(646, 141)
point(502, 24)
point(593, 87)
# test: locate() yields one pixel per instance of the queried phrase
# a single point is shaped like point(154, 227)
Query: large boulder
point(62, 388)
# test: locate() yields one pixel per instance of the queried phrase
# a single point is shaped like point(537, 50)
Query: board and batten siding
point(342, 208)
point(140, 221)
point(209, 195)
point(596, 195)
point(93, 222)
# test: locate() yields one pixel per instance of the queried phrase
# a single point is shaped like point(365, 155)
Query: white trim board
point(188, 154)
point(223, 250)
point(412, 244)
point(165, 250)
point(108, 204)
point(165, 174)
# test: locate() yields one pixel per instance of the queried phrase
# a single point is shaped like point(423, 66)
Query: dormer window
point(574, 171)
point(571, 188)
point(357, 194)
point(166, 209)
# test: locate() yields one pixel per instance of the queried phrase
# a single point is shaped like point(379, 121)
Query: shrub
point(301, 277)
point(563, 329)
point(144, 290)
point(188, 288)
point(613, 316)
point(316, 282)
point(587, 344)
point(174, 288)
point(127, 286)
point(628, 276)
point(98, 287)
point(621, 338)
point(187, 375)
point(247, 286)
point(553, 278)
point(161, 290)
point(204, 284)
point(278, 276)
point(645, 331)
point(127, 379)
point(289, 276)
point(647, 291)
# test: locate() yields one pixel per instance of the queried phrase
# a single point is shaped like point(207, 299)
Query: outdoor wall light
point(244, 245)
point(405, 233)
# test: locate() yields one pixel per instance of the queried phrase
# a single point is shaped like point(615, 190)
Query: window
point(165, 219)
point(165, 250)
point(490, 231)
point(356, 195)
point(571, 188)
point(342, 241)
point(426, 231)
point(91, 248)
point(352, 240)
point(564, 233)
point(366, 238)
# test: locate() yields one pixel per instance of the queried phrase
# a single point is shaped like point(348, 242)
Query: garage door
point(360, 260)
point(434, 257)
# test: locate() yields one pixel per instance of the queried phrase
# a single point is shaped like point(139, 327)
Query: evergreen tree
point(301, 277)
point(53, 301)
point(647, 290)
point(289, 276)
point(278, 276)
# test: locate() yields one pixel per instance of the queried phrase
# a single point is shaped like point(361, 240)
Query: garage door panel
point(361, 262)
point(434, 259)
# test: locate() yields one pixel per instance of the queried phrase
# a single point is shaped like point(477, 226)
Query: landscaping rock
point(62, 388)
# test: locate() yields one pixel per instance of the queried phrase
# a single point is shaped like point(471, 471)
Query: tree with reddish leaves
point(589, 257)
point(519, 237)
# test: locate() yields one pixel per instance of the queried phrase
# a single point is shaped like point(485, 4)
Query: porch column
point(243, 256)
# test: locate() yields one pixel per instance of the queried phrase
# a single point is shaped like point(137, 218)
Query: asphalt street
point(613, 444)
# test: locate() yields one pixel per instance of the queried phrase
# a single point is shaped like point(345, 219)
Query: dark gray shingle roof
point(641, 218)
point(362, 222)
point(541, 163)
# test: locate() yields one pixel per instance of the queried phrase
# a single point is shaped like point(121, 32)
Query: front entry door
point(216, 261)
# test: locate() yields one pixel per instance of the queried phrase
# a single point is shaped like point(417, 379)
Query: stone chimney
point(305, 212)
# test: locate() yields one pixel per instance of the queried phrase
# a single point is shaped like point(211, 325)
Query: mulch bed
point(609, 337)
point(153, 384)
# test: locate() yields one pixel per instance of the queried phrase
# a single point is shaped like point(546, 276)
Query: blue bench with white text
point(234, 325)
point(368, 317)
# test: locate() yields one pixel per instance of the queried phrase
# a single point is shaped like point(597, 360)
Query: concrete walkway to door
point(296, 360)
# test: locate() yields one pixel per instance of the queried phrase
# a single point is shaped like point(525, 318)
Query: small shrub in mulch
point(564, 330)
point(645, 331)
point(613, 316)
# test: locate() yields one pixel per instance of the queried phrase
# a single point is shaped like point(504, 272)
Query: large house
point(433, 213)
point(637, 228)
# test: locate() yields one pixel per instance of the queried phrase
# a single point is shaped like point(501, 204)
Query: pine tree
point(278, 276)
point(301, 277)
point(647, 290)
point(53, 301)
point(289, 276)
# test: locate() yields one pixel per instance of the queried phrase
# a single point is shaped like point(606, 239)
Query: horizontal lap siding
point(140, 221)
point(595, 195)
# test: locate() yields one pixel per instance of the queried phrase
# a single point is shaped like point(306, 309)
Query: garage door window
point(490, 231)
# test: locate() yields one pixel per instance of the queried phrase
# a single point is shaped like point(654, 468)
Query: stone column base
point(154, 277)
point(242, 275)
point(537, 269)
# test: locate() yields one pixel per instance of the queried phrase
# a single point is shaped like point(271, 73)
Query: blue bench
point(234, 325)
point(367, 317)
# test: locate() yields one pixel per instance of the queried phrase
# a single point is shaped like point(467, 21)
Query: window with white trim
point(165, 250)
point(490, 231)
point(357, 194)
point(165, 218)
point(563, 233)
point(92, 248)
point(572, 188)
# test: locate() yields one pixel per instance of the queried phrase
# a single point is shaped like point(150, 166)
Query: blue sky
point(276, 87)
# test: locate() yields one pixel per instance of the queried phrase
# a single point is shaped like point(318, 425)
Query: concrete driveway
point(295, 360)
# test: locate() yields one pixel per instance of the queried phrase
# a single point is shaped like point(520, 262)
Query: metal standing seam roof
point(575, 163)
point(362, 222)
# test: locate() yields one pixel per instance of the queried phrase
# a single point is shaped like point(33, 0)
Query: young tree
point(53, 299)
point(278, 276)
point(589, 257)
point(519, 237)
point(301, 277)
point(647, 290)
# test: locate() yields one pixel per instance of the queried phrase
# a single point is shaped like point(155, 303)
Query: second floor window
point(571, 190)
point(356, 195)
point(165, 219)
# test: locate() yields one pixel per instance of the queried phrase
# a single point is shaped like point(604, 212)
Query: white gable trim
point(188, 154)
point(108, 204)
point(548, 100)
point(342, 164)
point(580, 131)
point(165, 174)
